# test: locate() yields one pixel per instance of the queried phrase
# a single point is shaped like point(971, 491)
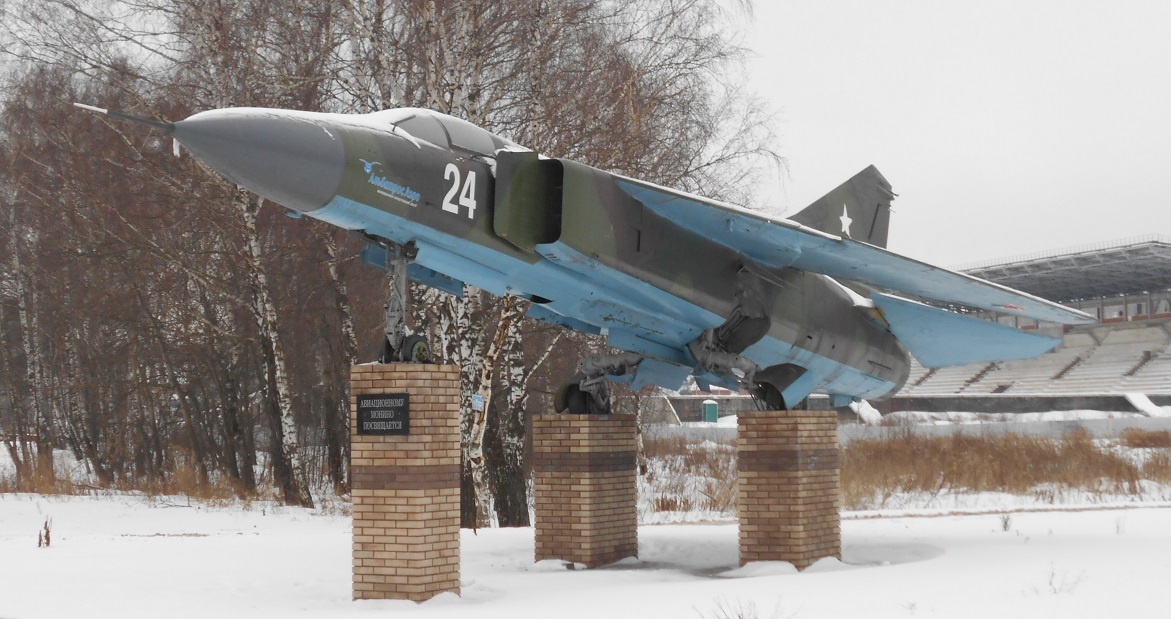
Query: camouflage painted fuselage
point(571, 238)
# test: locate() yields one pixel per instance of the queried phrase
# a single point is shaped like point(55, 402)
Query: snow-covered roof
point(1129, 266)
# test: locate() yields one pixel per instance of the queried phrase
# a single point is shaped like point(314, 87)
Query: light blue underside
point(588, 296)
point(940, 338)
point(378, 256)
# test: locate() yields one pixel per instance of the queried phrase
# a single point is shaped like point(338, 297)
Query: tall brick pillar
point(789, 489)
point(584, 474)
point(404, 471)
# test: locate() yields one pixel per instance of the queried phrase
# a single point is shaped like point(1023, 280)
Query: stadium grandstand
point(1126, 285)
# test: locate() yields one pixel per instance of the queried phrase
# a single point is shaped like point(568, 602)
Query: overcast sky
point(1005, 127)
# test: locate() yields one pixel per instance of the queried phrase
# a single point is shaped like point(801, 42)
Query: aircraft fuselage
point(590, 256)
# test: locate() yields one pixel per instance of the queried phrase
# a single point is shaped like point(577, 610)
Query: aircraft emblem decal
point(846, 221)
point(388, 188)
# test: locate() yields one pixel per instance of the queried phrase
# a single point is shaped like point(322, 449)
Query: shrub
point(876, 469)
point(685, 476)
point(1148, 439)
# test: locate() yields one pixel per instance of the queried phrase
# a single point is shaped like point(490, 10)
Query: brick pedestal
point(405, 489)
point(584, 474)
point(789, 488)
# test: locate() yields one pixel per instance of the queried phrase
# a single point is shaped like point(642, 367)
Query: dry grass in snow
point(697, 481)
point(1047, 469)
point(685, 480)
point(1138, 439)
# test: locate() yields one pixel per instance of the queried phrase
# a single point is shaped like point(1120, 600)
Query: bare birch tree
point(202, 323)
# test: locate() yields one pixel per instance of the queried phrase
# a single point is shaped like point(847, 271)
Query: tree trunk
point(243, 428)
point(75, 414)
point(16, 439)
point(507, 466)
point(286, 443)
point(178, 390)
point(468, 343)
point(478, 382)
point(337, 405)
point(30, 341)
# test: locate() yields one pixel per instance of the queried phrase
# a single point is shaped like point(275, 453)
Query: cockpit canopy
point(446, 131)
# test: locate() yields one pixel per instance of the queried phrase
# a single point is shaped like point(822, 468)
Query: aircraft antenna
point(169, 128)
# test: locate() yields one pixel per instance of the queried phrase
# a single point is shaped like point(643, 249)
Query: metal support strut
point(399, 343)
point(710, 357)
point(589, 391)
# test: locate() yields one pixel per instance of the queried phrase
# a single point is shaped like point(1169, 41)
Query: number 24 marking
point(467, 197)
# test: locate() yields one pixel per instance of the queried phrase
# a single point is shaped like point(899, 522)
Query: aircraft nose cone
point(293, 158)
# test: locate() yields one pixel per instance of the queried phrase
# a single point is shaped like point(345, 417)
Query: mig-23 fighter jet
point(679, 284)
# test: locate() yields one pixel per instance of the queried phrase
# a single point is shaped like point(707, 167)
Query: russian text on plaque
point(384, 414)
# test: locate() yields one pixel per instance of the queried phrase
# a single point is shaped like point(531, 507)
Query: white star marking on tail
point(846, 221)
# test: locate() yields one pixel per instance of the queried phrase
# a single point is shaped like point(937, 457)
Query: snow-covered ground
point(915, 417)
point(131, 557)
point(1070, 553)
point(867, 414)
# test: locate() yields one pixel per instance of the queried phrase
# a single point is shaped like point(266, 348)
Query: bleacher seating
point(1125, 284)
point(918, 372)
point(1104, 368)
point(1154, 377)
point(948, 380)
point(1030, 376)
point(1087, 362)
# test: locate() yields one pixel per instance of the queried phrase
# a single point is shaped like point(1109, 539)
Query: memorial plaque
point(384, 414)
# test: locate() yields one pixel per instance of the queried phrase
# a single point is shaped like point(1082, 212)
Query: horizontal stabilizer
point(376, 256)
point(939, 338)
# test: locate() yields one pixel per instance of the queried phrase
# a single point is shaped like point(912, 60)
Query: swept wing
point(778, 242)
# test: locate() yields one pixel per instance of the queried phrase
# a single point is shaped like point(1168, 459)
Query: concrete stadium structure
point(1125, 284)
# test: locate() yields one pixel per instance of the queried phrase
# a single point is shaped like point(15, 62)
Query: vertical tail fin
point(859, 208)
